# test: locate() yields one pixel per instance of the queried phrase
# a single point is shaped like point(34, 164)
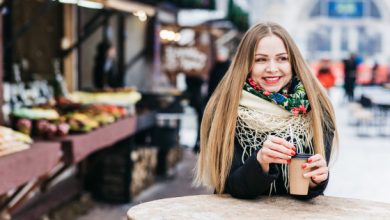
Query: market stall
point(85, 137)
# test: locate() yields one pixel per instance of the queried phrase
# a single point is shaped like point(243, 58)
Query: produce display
point(12, 141)
point(69, 116)
point(47, 129)
point(80, 122)
point(118, 98)
point(36, 113)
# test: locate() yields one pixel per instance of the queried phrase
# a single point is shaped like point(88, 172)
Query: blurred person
point(218, 70)
point(268, 93)
point(374, 72)
point(104, 70)
point(388, 75)
point(350, 67)
point(325, 75)
point(194, 94)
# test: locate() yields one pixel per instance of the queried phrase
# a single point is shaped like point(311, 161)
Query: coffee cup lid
point(302, 156)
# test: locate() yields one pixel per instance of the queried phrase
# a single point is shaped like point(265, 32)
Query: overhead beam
point(129, 6)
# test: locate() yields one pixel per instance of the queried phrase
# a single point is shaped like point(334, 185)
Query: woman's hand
point(275, 150)
point(316, 169)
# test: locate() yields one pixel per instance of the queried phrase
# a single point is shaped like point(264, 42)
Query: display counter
point(78, 146)
point(25, 166)
point(19, 168)
point(275, 207)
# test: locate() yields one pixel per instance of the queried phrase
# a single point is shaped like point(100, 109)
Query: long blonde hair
point(220, 115)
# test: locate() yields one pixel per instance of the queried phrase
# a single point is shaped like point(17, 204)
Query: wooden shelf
point(19, 168)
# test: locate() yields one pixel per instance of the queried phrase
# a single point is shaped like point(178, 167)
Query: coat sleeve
point(248, 180)
point(320, 188)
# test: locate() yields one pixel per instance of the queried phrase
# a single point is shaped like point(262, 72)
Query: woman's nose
point(272, 67)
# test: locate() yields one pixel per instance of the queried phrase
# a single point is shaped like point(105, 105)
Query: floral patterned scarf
point(292, 97)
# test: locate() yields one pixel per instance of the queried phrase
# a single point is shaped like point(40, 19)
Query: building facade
point(331, 28)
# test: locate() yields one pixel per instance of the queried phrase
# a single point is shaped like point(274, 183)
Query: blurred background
point(101, 100)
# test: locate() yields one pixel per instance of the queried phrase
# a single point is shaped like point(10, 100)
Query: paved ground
point(361, 169)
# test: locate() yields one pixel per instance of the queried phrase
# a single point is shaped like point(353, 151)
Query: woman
point(267, 94)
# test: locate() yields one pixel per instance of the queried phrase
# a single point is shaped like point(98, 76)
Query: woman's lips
point(272, 80)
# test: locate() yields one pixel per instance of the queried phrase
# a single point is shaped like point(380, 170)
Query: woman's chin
point(272, 88)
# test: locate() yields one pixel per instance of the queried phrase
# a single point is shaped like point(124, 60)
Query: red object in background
point(336, 68)
point(327, 79)
point(325, 73)
point(363, 75)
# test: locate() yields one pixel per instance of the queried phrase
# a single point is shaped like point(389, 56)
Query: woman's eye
point(283, 59)
point(261, 60)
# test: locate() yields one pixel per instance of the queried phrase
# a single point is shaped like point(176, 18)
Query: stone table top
point(275, 207)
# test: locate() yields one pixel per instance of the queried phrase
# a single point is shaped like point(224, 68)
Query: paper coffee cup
point(298, 184)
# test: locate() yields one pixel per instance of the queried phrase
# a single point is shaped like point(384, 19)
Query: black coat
point(248, 181)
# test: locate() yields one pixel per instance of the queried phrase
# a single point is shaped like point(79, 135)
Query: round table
point(276, 207)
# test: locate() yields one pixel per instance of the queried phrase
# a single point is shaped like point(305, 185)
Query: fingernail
point(304, 166)
point(309, 160)
point(305, 175)
point(313, 177)
point(293, 153)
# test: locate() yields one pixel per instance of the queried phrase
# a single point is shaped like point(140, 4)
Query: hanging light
point(68, 1)
point(168, 35)
point(141, 15)
point(177, 37)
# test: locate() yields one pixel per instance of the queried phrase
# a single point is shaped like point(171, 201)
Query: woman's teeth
point(272, 79)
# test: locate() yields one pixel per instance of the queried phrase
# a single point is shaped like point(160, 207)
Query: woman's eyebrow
point(265, 55)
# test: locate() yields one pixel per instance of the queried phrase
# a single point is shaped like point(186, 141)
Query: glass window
point(316, 11)
point(374, 11)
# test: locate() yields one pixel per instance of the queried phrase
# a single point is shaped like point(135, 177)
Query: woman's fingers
point(275, 154)
point(278, 147)
point(316, 172)
point(317, 169)
point(315, 157)
point(269, 159)
point(281, 141)
point(276, 150)
point(319, 178)
point(314, 161)
point(316, 164)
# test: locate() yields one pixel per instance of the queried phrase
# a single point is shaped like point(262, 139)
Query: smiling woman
point(268, 108)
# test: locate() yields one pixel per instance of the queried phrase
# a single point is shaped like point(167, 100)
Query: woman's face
point(271, 68)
